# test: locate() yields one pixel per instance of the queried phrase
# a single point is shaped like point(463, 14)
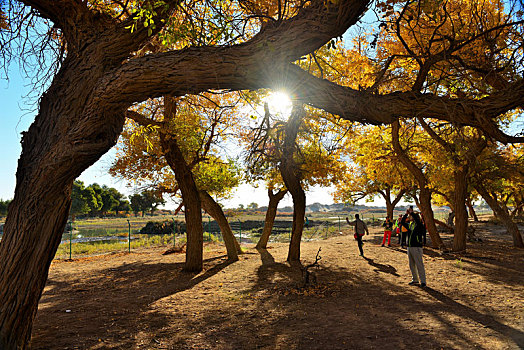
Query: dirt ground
point(144, 300)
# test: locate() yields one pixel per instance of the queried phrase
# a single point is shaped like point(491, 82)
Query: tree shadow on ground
point(487, 321)
point(488, 262)
point(486, 259)
point(150, 305)
point(117, 298)
point(333, 311)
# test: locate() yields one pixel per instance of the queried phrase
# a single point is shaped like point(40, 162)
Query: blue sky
point(17, 112)
point(14, 120)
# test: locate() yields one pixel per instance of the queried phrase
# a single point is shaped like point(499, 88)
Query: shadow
point(486, 320)
point(266, 256)
point(489, 259)
point(109, 301)
point(382, 268)
point(257, 304)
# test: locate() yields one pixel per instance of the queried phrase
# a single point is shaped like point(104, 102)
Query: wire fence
point(81, 240)
point(105, 236)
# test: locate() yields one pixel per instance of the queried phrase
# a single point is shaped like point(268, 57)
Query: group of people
point(411, 231)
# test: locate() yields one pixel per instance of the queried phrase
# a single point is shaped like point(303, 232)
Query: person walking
point(416, 239)
point(388, 226)
point(360, 229)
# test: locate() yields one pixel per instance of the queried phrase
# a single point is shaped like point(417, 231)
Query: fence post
point(70, 239)
point(209, 228)
point(339, 224)
point(129, 236)
point(174, 233)
point(240, 228)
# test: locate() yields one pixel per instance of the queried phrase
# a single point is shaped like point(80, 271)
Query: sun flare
point(279, 103)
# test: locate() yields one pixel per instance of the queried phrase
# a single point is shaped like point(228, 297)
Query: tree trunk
point(212, 207)
point(461, 214)
point(389, 209)
point(299, 211)
point(69, 134)
point(271, 213)
point(471, 210)
point(502, 215)
point(390, 205)
point(429, 218)
point(291, 175)
point(31, 243)
point(192, 204)
point(425, 194)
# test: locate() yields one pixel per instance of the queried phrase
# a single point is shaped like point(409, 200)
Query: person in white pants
point(416, 238)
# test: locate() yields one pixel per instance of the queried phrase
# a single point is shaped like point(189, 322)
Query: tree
point(463, 152)
point(302, 151)
point(179, 145)
point(136, 203)
point(123, 206)
point(376, 170)
point(434, 43)
point(110, 199)
point(4, 204)
point(151, 200)
point(252, 206)
point(105, 67)
point(496, 178)
point(96, 204)
point(80, 198)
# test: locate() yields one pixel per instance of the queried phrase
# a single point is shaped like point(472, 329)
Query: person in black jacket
point(360, 229)
point(416, 239)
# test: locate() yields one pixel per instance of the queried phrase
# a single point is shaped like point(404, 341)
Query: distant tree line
point(3, 206)
point(100, 201)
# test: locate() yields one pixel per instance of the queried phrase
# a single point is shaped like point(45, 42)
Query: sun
point(279, 103)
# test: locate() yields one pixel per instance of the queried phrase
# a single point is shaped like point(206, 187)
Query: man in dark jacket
point(360, 229)
point(416, 239)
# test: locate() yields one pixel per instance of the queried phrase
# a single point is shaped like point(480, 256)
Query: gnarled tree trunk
point(425, 194)
point(55, 151)
point(502, 215)
point(192, 204)
point(230, 241)
point(20, 271)
point(271, 213)
point(291, 174)
point(391, 204)
point(471, 210)
point(461, 214)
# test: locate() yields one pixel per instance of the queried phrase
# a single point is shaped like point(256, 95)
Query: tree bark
point(461, 214)
point(230, 241)
point(192, 203)
point(82, 113)
point(425, 194)
point(471, 210)
point(502, 215)
point(68, 135)
point(391, 204)
point(271, 213)
point(291, 174)
point(22, 275)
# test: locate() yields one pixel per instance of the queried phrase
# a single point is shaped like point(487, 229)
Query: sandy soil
point(144, 300)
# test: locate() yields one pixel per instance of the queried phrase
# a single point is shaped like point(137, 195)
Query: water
point(106, 239)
